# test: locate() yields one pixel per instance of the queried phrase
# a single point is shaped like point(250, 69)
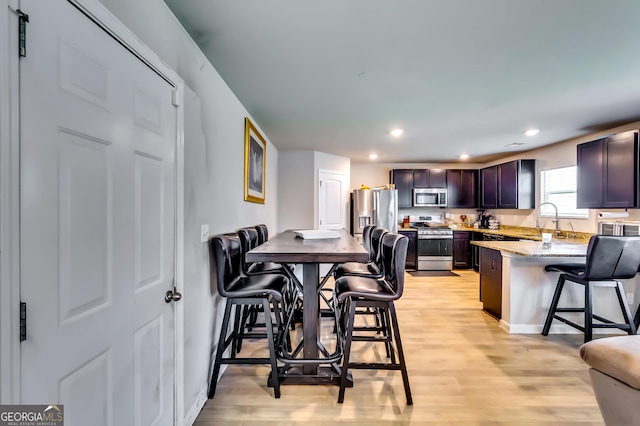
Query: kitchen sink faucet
point(556, 220)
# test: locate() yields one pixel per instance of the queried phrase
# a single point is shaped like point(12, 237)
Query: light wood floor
point(463, 370)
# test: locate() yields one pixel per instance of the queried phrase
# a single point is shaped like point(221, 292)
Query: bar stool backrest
point(224, 254)
point(376, 241)
point(366, 237)
point(612, 257)
point(248, 241)
point(394, 255)
point(263, 233)
point(248, 237)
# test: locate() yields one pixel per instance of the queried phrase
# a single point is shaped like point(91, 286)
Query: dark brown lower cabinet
point(412, 254)
point(475, 251)
point(491, 282)
point(461, 250)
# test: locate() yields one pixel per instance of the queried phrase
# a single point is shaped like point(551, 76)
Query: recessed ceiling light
point(373, 156)
point(396, 132)
point(531, 132)
point(464, 156)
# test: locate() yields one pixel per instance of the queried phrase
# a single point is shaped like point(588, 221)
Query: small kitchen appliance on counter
point(435, 242)
point(629, 228)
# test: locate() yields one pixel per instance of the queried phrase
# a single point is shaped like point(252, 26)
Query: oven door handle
point(436, 238)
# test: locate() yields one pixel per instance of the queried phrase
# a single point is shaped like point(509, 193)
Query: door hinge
point(23, 321)
point(320, 183)
point(23, 18)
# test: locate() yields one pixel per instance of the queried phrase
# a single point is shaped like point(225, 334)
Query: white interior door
point(97, 141)
point(332, 204)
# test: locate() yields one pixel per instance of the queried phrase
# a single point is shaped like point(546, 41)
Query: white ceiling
point(457, 75)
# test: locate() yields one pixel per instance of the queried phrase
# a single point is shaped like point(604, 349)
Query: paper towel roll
point(612, 215)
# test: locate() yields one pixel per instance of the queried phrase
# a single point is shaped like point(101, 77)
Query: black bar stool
point(263, 233)
point(372, 238)
point(225, 254)
point(609, 258)
point(352, 292)
point(250, 239)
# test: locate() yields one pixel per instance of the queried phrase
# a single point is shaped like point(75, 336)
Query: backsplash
point(523, 218)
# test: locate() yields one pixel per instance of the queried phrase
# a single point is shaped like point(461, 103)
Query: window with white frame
point(558, 186)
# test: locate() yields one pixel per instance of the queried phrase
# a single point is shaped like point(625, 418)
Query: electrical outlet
point(630, 298)
point(204, 233)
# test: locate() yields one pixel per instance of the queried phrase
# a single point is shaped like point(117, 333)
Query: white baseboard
point(556, 328)
point(195, 409)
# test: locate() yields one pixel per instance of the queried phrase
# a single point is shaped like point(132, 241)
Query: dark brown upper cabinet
point(403, 180)
point(589, 185)
point(508, 186)
point(608, 172)
point(461, 188)
point(428, 178)
point(489, 187)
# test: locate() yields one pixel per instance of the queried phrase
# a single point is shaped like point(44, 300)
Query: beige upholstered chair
point(615, 377)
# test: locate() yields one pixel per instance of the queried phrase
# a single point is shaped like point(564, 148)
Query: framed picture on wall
point(255, 163)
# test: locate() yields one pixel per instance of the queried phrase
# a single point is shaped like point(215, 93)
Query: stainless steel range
point(435, 242)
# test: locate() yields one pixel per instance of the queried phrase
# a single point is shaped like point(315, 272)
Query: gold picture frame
point(255, 163)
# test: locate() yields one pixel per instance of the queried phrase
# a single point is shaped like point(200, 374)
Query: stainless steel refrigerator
point(374, 207)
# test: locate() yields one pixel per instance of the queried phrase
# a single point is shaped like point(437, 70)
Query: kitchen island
point(516, 289)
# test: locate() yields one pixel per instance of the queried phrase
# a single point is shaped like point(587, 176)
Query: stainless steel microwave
point(429, 197)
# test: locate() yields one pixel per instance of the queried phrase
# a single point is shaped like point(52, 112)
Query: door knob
point(172, 296)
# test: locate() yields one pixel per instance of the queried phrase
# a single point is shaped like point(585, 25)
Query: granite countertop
point(529, 233)
point(535, 249)
point(523, 233)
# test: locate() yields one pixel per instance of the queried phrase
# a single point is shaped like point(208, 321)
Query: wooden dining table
point(287, 248)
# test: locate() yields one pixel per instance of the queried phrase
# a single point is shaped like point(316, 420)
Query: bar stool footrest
point(374, 366)
point(568, 322)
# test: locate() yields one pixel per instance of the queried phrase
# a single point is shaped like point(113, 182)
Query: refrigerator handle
point(375, 195)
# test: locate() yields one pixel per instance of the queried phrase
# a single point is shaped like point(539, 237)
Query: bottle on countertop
point(469, 222)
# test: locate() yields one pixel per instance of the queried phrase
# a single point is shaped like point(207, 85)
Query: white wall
point(295, 195)
point(197, 294)
point(214, 175)
point(298, 186)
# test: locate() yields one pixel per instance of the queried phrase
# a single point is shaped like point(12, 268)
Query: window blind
point(558, 186)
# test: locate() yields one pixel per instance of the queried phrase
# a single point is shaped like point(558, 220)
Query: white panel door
point(97, 224)
point(332, 200)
